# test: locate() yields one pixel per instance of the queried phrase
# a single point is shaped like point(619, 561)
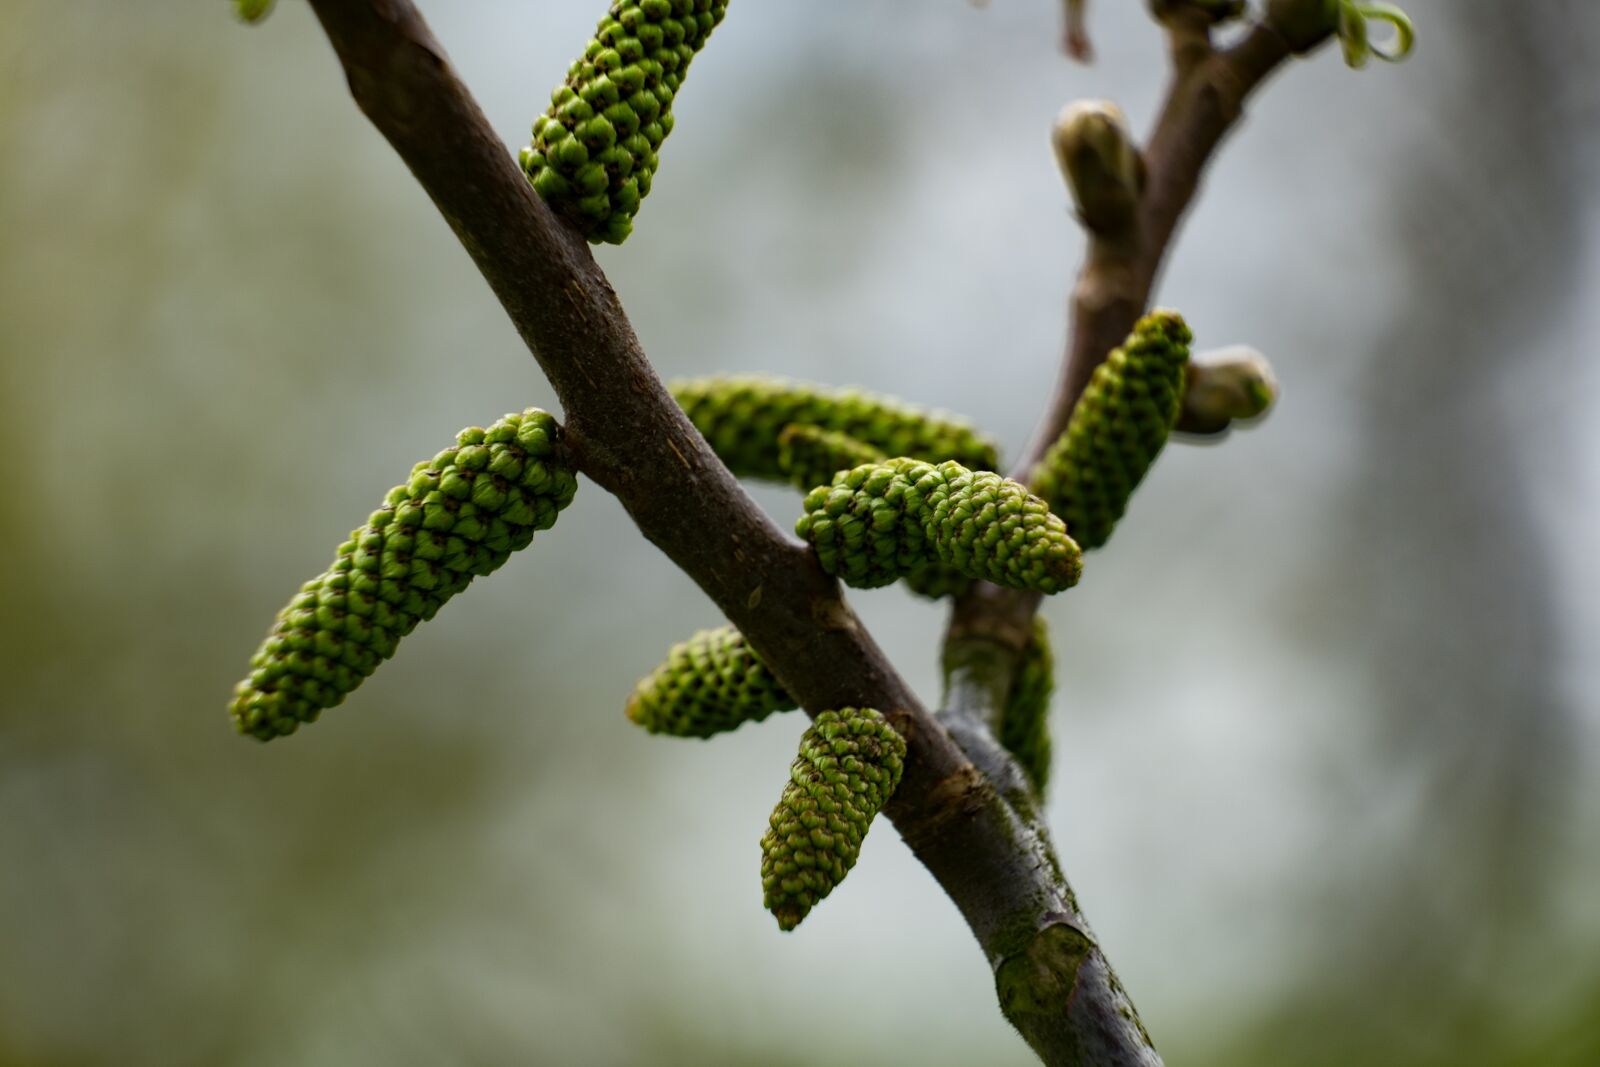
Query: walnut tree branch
point(1126, 251)
point(1204, 102)
point(625, 432)
point(1127, 246)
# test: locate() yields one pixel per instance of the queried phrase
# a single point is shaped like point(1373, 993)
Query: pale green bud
point(1224, 386)
point(1101, 164)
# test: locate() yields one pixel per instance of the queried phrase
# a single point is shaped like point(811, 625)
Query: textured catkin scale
point(881, 521)
point(1025, 722)
point(461, 515)
point(811, 456)
point(709, 684)
point(849, 765)
point(593, 153)
point(1117, 429)
point(744, 417)
point(937, 581)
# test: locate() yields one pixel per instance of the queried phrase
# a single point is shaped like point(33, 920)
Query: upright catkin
point(744, 417)
point(710, 684)
point(1117, 429)
point(849, 764)
point(594, 152)
point(1025, 720)
point(460, 516)
point(878, 522)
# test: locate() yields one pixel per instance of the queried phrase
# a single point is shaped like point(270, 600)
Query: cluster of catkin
point(891, 498)
point(875, 517)
point(893, 492)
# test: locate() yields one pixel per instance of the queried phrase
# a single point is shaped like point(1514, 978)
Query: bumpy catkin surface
point(1117, 429)
point(849, 764)
point(594, 152)
point(743, 419)
point(880, 521)
point(811, 456)
point(1025, 721)
point(710, 684)
point(460, 516)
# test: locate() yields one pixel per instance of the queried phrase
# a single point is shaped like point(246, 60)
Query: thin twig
point(1121, 268)
point(990, 626)
point(1113, 288)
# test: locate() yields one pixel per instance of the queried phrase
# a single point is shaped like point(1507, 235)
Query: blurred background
point(1328, 720)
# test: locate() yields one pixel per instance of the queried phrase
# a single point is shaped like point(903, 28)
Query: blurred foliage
point(1346, 816)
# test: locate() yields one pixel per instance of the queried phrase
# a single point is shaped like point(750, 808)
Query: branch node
point(962, 793)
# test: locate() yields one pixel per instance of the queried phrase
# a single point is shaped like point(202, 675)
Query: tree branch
point(625, 432)
point(1120, 270)
point(990, 626)
point(1122, 264)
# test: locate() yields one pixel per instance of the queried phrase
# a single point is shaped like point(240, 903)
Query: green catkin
point(811, 456)
point(1117, 428)
point(881, 521)
point(709, 684)
point(1025, 722)
point(937, 581)
point(743, 418)
point(593, 153)
point(460, 516)
point(849, 765)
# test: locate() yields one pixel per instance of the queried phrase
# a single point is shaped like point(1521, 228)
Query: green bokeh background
point(1327, 729)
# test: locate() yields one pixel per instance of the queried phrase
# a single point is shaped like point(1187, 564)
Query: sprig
point(1355, 38)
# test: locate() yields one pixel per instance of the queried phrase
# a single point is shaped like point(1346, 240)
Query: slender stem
point(1120, 269)
point(990, 626)
point(1204, 102)
point(625, 432)
point(1055, 984)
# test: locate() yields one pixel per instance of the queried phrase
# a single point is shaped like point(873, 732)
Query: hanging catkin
point(849, 764)
point(1025, 721)
point(460, 516)
point(743, 418)
point(709, 684)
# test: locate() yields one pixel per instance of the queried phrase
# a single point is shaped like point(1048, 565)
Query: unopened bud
point(1225, 385)
point(1099, 161)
